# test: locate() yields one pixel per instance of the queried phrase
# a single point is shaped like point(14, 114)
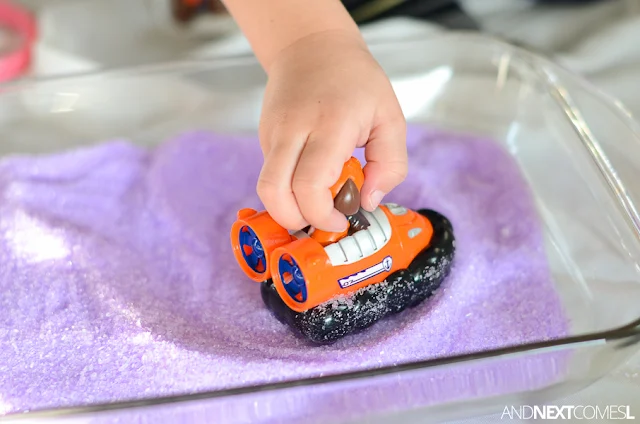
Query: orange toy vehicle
point(327, 285)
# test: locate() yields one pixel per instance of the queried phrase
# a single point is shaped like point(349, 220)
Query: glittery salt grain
point(117, 282)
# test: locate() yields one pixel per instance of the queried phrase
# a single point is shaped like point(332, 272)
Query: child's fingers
point(319, 167)
point(274, 185)
point(386, 154)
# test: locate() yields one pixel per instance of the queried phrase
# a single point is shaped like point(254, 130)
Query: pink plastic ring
point(21, 22)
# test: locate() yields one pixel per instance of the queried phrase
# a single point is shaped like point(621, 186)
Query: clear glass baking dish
point(575, 147)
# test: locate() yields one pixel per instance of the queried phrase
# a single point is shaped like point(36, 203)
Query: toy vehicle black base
point(405, 288)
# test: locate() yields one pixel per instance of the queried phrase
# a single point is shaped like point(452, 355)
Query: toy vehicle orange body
point(305, 270)
point(307, 274)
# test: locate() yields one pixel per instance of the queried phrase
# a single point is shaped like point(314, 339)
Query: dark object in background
point(564, 2)
point(447, 13)
point(186, 10)
point(444, 12)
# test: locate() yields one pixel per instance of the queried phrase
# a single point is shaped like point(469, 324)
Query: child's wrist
point(327, 42)
point(273, 26)
point(299, 36)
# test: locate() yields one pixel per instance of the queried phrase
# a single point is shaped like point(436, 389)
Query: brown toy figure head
point(347, 200)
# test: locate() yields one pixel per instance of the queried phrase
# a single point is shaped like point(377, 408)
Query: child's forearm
point(272, 25)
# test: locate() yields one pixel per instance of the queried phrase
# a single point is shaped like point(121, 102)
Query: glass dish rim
point(627, 335)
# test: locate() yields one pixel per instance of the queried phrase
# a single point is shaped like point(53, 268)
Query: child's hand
point(326, 96)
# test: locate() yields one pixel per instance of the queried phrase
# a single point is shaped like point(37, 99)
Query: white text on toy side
point(384, 266)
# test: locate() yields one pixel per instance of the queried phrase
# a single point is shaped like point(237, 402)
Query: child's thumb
point(386, 166)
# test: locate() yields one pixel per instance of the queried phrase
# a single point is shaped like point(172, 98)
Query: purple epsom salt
point(117, 282)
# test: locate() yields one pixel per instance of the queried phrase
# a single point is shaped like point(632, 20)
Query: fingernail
point(375, 199)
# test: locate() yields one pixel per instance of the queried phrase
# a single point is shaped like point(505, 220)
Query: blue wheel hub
point(292, 278)
point(252, 250)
